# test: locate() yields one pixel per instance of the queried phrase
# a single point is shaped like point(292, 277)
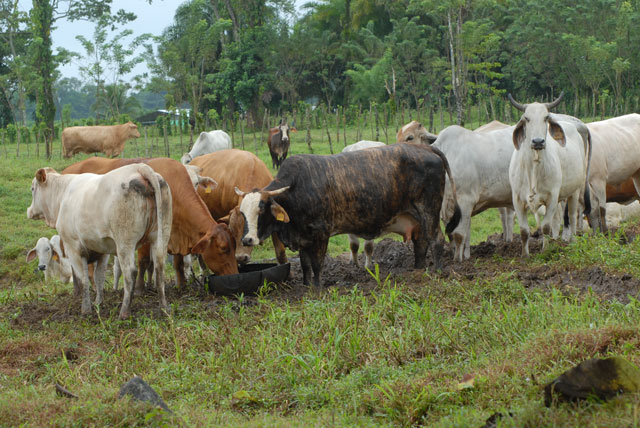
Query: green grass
point(344, 356)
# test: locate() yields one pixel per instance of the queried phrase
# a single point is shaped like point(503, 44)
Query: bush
point(11, 133)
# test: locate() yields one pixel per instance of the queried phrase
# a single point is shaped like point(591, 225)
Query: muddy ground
point(488, 260)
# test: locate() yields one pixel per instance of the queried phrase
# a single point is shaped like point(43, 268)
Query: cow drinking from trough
point(550, 164)
point(367, 193)
point(93, 139)
point(279, 142)
point(98, 215)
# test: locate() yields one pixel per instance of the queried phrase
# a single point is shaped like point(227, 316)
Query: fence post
point(344, 127)
point(166, 141)
point(6, 154)
point(326, 126)
point(241, 131)
point(377, 124)
point(308, 125)
point(337, 125)
point(38, 144)
point(386, 123)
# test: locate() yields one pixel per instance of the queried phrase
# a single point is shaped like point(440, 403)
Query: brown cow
point(279, 142)
point(193, 230)
point(234, 168)
point(622, 193)
point(91, 139)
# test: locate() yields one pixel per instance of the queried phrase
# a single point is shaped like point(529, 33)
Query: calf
point(278, 143)
point(396, 188)
point(98, 215)
point(550, 164)
point(50, 259)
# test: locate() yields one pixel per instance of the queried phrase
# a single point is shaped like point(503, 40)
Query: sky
point(152, 18)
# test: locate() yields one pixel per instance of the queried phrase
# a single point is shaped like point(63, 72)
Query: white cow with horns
point(97, 215)
point(550, 164)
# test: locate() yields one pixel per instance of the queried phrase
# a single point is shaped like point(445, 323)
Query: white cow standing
point(98, 215)
point(550, 164)
point(354, 241)
point(208, 142)
point(51, 259)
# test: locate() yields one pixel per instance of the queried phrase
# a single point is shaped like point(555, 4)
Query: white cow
point(208, 142)
point(550, 164)
point(98, 215)
point(51, 259)
point(618, 213)
point(354, 241)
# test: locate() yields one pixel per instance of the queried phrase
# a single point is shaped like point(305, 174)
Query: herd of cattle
point(219, 202)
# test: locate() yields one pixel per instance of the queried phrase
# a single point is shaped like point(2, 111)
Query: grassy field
point(392, 354)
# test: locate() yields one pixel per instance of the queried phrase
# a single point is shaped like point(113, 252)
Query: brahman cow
point(279, 143)
point(193, 230)
point(354, 241)
point(397, 188)
point(93, 139)
point(208, 142)
point(550, 164)
point(230, 169)
point(98, 215)
point(50, 259)
point(616, 159)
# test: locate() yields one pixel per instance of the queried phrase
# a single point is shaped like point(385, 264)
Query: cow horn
point(521, 107)
point(555, 102)
point(239, 192)
point(277, 192)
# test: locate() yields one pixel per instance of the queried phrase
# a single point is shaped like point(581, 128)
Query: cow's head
point(217, 248)
point(260, 212)
point(39, 201)
point(206, 184)
point(414, 132)
point(236, 223)
point(45, 251)
point(186, 158)
point(133, 130)
point(534, 124)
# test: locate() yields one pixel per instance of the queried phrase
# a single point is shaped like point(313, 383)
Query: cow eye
point(546, 119)
point(410, 137)
point(526, 118)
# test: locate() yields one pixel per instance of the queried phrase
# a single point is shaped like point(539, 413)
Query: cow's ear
point(293, 129)
point(54, 255)
point(31, 255)
point(518, 134)
point(428, 138)
point(279, 213)
point(41, 175)
point(202, 244)
point(62, 248)
point(224, 219)
point(207, 184)
point(556, 131)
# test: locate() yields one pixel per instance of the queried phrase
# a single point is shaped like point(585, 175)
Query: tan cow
point(193, 229)
point(234, 168)
point(92, 139)
point(97, 215)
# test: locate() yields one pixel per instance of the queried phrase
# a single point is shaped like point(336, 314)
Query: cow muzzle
point(538, 144)
point(42, 267)
point(249, 242)
point(242, 259)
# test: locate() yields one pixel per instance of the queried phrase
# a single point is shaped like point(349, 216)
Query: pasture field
point(371, 350)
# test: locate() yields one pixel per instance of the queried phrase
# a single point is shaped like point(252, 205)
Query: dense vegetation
point(231, 57)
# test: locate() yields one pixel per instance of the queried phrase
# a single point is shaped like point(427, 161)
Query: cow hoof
point(124, 315)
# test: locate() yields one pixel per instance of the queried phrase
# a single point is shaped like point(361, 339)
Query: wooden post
point(181, 147)
point(38, 144)
point(265, 127)
point(6, 154)
point(232, 126)
point(377, 124)
point(146, 143)
point(326, 126)
point(308, 125)
point(255, 140)
point(337, 125)
point(371, 120)
point(166, 141)
point(344, 127)
point(358, 133)
point(386, 123)
point(17, 142)
point(241, 132)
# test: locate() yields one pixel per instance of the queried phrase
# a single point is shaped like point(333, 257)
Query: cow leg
point(98, 277)
point(158, 273)
point(278, 246)
point(127, 261)
point(178, 265)
point(317, 259)
point(143, 266)
point(368, 254)
point(572, 204)
point(81, 277)
point(461, 232)
point(117, 273)
point(354, 245)
point(305, 263)
point(520, 208)
point(507, 217)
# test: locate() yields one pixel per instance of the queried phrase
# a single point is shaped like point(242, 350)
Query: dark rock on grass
point(492, 421)
point(140, 390)
point(595, 378)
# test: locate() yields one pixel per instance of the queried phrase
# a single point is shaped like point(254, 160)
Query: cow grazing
point(193, 229)
point(50, 259)
point(354, 241)
point(392, 189)
point(616, 159)
point(208, 142)
point(279, 143)
point(550, 164)
point(618, 213)
point(93, 139)
point(98, 215)
point(230, 169)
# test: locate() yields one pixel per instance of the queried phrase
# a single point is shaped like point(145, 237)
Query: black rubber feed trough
point(249, 280)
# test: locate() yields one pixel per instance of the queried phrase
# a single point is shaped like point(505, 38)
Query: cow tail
point(148, 173)
point(587, 196)
point(457, 215)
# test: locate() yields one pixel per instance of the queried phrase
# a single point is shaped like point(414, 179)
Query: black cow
point(397, 188)
point(279, 142)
